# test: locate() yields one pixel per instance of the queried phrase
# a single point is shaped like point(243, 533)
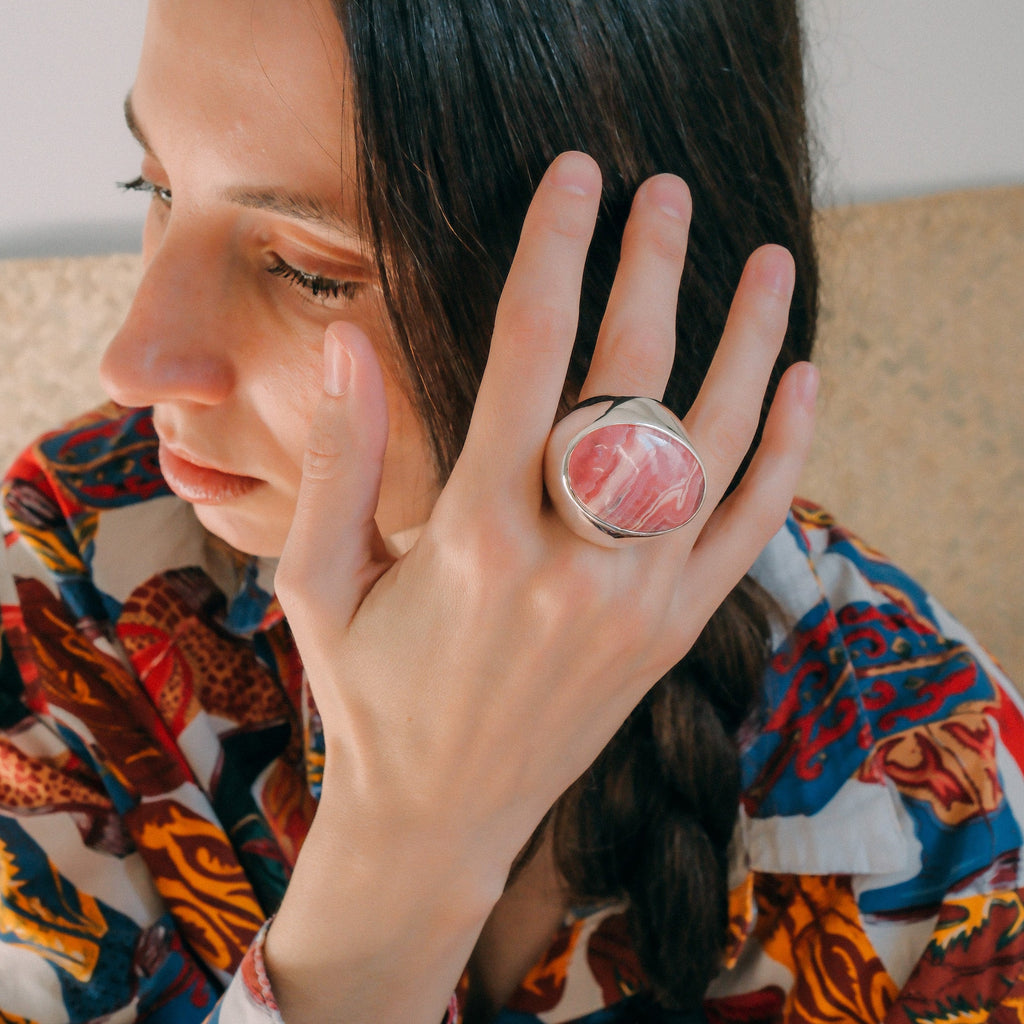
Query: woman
point(465, 747)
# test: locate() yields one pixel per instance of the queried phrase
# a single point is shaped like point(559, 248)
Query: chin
point(256, 535)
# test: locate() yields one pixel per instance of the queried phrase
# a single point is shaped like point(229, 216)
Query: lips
point(199, 483)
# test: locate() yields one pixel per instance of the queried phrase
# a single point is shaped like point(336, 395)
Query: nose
point(173, 345)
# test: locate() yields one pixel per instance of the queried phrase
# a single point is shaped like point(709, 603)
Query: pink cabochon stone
point(635, 478)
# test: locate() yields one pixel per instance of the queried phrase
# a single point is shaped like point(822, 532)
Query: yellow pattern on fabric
point(961, 1015)
point(51, 551)
point(315, 762)
point(1014, 1004)
point(816, 933)
point(71, 941)
point(975, 914)
point(10, 1018)
point(552, 972)
point(741, 920)
point(947, 765)
point(209, 897)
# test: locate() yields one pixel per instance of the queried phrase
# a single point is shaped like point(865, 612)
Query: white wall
point(912, 96)
point(917, 96)
point(65, 67)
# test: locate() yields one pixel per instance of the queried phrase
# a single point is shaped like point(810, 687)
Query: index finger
point(535, 323)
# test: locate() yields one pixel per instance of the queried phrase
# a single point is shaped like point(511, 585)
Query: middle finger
point(636, 344)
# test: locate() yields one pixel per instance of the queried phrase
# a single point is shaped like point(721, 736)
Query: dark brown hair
point(460, 108)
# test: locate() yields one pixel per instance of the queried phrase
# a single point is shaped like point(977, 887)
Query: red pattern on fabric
point(187, 664)
point(198, 875)
point(764, 1006)
point(1011, 728)
point(803, 734)
point(542, 988)
point(613, 961)
point(812, 927)
point(950, 766)
point(974, 968)
point(74, 675)
point(254, 972)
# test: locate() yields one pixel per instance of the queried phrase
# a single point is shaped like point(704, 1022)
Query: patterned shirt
point(161, 759)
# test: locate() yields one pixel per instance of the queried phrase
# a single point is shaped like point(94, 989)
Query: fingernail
point(807, 385)
point(576, 173)
point(775, 270)
point(667, 196)
point(337, 365)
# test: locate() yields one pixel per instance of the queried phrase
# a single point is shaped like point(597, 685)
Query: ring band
point(623, 468)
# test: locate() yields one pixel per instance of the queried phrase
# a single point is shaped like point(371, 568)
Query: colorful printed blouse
point(160, 763)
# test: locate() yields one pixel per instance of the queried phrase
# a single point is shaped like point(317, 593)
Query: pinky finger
point(752, 514)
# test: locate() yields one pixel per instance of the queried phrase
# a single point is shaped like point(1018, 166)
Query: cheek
point(153, 229)
point(286, 393)
point(285, 378)
point(407, 437)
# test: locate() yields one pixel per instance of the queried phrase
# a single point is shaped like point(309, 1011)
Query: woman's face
point(251, 248)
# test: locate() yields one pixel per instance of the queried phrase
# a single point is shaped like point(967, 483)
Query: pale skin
point(423, 665)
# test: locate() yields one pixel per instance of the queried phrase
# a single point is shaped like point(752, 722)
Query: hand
point(466, 685)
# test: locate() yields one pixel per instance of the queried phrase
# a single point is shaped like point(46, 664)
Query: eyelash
point(141, 184)
point(320, 287)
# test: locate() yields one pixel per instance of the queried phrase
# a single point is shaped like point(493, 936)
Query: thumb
point(334, 552)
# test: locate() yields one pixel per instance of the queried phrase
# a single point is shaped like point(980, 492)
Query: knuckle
point(729, 436)
point(667, 243)
point(288, 583)
point(643, 355)
point(490, 558)
point(319, 465)
point(538, 323)
point(643, 610)
point(770, 513)
point(575, 592)
point(296, 583)
point(768, 314)
point(498, 552)
point(323, 453)
point(572, 218)
point(576, 582)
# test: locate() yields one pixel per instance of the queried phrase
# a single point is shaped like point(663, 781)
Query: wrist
point(379, 920)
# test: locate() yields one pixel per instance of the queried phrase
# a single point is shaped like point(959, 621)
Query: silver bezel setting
point(593, 415)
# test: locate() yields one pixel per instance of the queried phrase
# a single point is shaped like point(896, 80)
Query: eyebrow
point(133, 124)
point(294, 205)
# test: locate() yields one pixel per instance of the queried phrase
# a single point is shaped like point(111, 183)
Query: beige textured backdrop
point(921, 442)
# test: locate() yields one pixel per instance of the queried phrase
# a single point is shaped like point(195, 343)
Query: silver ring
point(619, 469)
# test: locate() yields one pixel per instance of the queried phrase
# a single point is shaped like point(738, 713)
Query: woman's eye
point(318, 286)
point(141, 184)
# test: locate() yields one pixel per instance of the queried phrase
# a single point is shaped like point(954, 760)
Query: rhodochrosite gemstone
point(634, 478)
